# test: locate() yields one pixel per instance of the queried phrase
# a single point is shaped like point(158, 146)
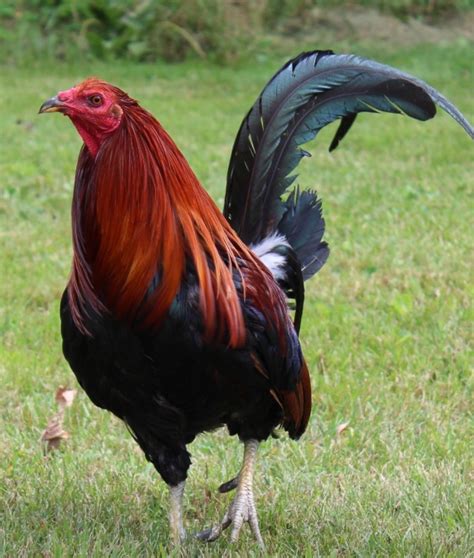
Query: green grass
point(387, 332)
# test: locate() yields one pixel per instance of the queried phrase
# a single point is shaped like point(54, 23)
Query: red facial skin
point(93, 107)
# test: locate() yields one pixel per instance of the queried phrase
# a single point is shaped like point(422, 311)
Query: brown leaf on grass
point(341, 427)
point(65, 396)
point(54, 432)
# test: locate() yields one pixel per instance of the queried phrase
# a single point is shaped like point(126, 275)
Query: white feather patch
point(266, 251)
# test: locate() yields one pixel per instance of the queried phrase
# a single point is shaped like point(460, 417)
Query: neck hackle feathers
point(139, 215)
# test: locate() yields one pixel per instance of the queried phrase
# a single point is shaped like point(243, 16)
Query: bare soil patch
point(361, 24)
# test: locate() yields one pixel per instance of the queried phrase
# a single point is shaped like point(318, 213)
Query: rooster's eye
point(95, 100)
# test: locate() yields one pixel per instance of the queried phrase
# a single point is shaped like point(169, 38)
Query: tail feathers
point(273, 253)
point(295, 252)
point(280, 258)
point(309, 92)
point(302, 225)
point(299, 233)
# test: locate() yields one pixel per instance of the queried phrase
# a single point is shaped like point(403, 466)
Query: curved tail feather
point(309, 92)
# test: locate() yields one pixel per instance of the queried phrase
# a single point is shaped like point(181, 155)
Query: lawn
point(387, 331)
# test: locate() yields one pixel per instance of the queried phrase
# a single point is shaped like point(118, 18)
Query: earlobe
point(116, 111)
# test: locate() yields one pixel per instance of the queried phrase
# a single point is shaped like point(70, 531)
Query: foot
point(242, 508)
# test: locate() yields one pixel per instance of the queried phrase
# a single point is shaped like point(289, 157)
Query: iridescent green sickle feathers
point(308, 93)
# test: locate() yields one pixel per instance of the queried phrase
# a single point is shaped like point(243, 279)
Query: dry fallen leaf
point(65, 396)
point(54, 432)
point(341, 427)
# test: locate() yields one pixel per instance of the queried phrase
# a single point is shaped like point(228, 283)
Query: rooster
point(176, 317)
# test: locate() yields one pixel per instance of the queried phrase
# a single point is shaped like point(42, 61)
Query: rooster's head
point(95, 107)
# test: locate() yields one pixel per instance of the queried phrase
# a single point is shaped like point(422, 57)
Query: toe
point(204, 534)
point(229, 485)
point(213, 533)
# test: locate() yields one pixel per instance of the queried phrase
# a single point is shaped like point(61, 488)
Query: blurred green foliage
point(145, 30)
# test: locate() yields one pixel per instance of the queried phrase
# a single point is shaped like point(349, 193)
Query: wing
point(281, 362)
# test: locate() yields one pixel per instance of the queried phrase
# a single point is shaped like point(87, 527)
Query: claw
point(229, 485)
point(213, 533)
point(242, 509)
point(204, 535)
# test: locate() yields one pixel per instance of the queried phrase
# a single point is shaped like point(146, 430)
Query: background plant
point(147, 30)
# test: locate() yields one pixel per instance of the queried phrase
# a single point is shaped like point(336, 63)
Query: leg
point(232, 484)
point(172, 462)
point(176, 513)
point(242, 507)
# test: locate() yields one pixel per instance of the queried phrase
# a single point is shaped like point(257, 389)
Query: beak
point(51, 105)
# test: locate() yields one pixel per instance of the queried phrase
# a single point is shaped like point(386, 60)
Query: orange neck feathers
point(139, 213)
